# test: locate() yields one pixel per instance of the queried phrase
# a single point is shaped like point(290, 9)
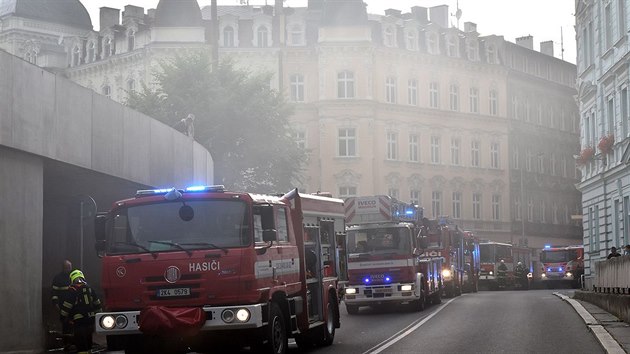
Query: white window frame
point(347, 139)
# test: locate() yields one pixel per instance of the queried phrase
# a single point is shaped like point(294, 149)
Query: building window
point(476, 206)
point(451, 46)
point(345, 84)
point(608, 23)
point(494, 103)
point(455, 151)
point(297, 35)
point(457, 205)
point(390, 37)
point(434, 97)
point(552, 164)
point(347, 142)
point(454, 97)
point(228, 37)
point(475, 158)
point(262, 36)
point(515, 158)
point(412, 40)
point(393, 192)
point(108, 47)
point(414, 196)
point(76, 56)
point(31, 56)
point(300, 139)
point(528, 161)
point(412, 92)
point(435, 149)
point(392, 146)
point(472, 50)
point(131, 85)
point(621, 11)
point(543, 212)
point(541, 163)
point(610, 115)
point(433, 43)
point(390, 90)
point(496, 207)
point(530, 209)
point(297, 88)
point(518, 212)
point(494, 155)
point(436, 203)
point(347, 192)
point(624, 112)
point(107, 91)
point(474, 100)
point(91, 52)
point(564, 167)
point(491, 52)
point(414, 148)
point(131, 41)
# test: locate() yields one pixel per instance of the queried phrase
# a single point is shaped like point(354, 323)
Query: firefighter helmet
point(76, 274)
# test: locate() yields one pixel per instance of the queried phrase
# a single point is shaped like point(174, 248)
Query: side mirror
point(270, 235)
point(100, 246)
point(99, 233)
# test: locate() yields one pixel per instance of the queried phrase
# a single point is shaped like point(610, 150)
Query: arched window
point(451, 46)
point(107, 47)
point(472, 49)
point(107, 91)
point(433, 43)
point(228, 37)
point(76, 55)
point(262, 36)
point(31, 57)
point(491, 52)
point(91, 52)
point(412, 40)
point(494, 103)
point(131, 85)
point(131, 40)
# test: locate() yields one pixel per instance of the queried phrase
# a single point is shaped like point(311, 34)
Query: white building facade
point(603, 84)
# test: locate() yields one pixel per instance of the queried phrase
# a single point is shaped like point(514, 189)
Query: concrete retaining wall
point(618, 305)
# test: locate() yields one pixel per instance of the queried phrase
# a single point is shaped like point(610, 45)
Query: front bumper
point(213, 322)
point(556, 276)
point(377, 294)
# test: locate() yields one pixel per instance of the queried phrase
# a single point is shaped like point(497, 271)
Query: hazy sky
point(542, 19)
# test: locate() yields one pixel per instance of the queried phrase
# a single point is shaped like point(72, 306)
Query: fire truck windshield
point(380, 240)
point(559, 256)
point(177, 226)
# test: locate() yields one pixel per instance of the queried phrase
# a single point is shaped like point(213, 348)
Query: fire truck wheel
point(352, 309)
point(329, 329)
point(276, 334)
point(421, 303)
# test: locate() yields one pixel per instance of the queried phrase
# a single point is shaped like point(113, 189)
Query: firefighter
point(520, 275)
point(60, 285)
point(501, 273)
point(79, 308)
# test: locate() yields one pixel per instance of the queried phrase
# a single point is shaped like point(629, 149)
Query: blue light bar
point(547, 246)
point(196, 188)
point(216, 188)
point(549, 269)
point(560, 269)
point(409, 212)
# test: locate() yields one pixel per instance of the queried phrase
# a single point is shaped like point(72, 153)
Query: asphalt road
point(534, 321)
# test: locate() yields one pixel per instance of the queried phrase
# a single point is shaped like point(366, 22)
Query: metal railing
point(612, 276)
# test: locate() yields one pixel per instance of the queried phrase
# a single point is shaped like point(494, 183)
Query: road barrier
point(612, 276)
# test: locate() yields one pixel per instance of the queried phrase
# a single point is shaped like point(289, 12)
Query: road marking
point(610, 345)
point(405, 331)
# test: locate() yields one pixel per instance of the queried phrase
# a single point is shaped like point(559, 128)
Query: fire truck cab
point(202, 265)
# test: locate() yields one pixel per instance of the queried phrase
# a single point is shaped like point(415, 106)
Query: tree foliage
point(239, 119)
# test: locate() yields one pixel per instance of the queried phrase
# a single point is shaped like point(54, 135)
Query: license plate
point(173, 292)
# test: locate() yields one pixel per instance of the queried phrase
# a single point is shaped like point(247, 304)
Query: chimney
point(470, 27)
point(439, 15)
point(526, 42)
point(132, 13)
point(109, 17)
point(393, 12)
point(420, 14)
point(151, 14)
point(547, 48)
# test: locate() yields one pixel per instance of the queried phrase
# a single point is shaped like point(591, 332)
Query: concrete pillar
point(21, 190)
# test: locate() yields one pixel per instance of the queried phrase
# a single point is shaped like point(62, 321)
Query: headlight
point(405, 288)
point(569, 274)
point(108, 322)
point(242, 315)
point(491, 272)
point(351, 291)
point(227, 316)
point(121, 321)
point(543, 275)
point(446, 273)
point(530, 275)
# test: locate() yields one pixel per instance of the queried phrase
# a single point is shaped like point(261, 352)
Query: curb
point(607, 341)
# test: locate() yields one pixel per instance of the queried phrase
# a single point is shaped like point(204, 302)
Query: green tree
point(238, 118)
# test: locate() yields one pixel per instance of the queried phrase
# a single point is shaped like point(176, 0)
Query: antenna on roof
point(457, 14)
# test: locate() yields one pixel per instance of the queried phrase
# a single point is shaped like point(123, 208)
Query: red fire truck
point(383, 248)
point(492, 253)
point(203, 266)
point(562, 264)
point(446, 240)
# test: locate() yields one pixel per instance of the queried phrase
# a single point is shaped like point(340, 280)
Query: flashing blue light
point(165, 190)
point(366, 280)
point(549, 269)
point(547, 246)
point(560, 269)
point(409, 212)
point(388, 279)
point(196, 188)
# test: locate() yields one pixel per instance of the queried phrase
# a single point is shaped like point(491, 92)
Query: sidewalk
point(612, 333)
